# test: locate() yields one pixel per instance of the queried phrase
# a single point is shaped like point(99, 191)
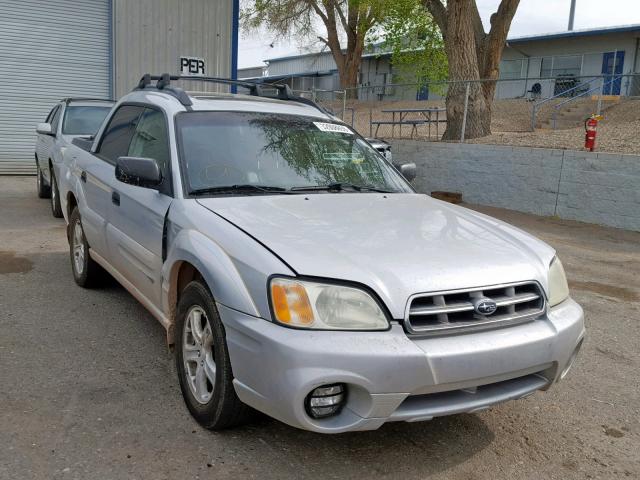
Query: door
point(48, 50)
point(42, 140)
point(136, 219)
point(44, 143)
point(423, 93)
point(612, 64)
point(97, 175)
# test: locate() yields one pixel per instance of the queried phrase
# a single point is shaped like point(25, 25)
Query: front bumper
point(392, 377)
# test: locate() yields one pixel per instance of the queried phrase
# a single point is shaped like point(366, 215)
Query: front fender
point(217, 269)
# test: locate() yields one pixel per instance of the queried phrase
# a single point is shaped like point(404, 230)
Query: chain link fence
point(535, 111)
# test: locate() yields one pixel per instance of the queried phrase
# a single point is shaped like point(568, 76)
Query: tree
point(472, 55)
point(346, 22)
point(409, 32)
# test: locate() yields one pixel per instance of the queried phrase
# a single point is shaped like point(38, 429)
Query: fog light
point(326, 400)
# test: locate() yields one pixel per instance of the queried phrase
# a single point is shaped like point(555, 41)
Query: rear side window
point(83, 120)
point(150, 139)
point(117, 138)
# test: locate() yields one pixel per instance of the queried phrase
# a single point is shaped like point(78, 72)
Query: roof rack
point(163, 82)
point(67, 100)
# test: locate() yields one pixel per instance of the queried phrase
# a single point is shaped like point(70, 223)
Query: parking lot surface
point(89, 388)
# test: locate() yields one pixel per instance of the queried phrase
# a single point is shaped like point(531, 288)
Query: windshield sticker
point(343, 158)
point(332, 127)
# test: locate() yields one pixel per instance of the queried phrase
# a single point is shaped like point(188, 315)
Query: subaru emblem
point(484, 306)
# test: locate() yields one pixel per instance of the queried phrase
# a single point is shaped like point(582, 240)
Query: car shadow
point(413, 450)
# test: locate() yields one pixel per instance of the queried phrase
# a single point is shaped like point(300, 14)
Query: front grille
point(452, 311)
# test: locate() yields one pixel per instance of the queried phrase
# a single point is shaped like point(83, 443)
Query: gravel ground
point(89, 388)
point(619, 132)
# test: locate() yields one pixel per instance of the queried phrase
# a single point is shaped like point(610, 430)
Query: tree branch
point(438, 12)
point(496, 39)
point(343, 19)
point(318, 10)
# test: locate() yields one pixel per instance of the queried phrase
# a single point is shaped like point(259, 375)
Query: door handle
point(115, 198)
point(83, 176)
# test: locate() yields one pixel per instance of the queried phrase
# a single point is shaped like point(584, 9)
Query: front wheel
point(86, 272)
point(56, 208)
point(202, 361)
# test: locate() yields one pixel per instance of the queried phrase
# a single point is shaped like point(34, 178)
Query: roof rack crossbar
point(67, 100)
point(163, 82)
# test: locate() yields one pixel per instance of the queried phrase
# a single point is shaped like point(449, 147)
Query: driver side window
point(117, 137)
point(150, 140)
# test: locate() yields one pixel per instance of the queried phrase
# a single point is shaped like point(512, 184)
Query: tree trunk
point(472, 55)
point(349, 78)
point(478, 122)
point(462, 53)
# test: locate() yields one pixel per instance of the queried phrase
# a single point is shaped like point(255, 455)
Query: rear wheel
point(86, 272)
point(41, 187)
point(202, 361)
point(56, 209)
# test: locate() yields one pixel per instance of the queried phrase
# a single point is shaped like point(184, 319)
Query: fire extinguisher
point(591, 129)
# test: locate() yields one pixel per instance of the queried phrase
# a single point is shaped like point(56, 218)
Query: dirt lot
point(89, 389)
point(619, 132)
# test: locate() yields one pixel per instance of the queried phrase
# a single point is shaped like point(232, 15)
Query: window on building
point(547, 67)
point(510, 69)
point(561, 65)
point(567, 65)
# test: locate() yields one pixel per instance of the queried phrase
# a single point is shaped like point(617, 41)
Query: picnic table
point(425, 113)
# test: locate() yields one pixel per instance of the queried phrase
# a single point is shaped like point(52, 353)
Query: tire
point(41, 187)
point(56, 208)
point(205, 356)
point(86, 272)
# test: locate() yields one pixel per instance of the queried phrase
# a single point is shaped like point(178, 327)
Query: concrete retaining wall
point(600, 188)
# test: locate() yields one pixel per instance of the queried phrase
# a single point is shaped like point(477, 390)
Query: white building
point(556, 61)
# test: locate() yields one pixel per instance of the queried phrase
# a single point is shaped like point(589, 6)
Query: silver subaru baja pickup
point(298, 273)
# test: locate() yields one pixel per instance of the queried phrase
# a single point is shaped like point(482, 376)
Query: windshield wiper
point(339, 186)
point(239, 189)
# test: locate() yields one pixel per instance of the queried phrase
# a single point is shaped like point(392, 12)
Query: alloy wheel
point(197, 355)
point(54, 191)
point(78, 248)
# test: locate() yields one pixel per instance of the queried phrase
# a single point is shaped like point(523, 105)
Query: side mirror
point(138, 171)
point(408, 171)
point(44, 129)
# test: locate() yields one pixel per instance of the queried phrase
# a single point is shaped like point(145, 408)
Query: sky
point(533, 17)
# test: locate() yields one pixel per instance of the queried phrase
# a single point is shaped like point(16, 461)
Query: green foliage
point(414, 39)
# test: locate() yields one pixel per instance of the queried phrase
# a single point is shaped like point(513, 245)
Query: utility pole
point(572, 14)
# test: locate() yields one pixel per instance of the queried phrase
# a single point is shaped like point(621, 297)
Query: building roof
point(529, 38)
point(576, 33)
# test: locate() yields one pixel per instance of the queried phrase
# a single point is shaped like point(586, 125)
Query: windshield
point(274, 151)
point(83, 120)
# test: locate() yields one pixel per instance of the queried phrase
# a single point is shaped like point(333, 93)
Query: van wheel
point(56, 209)
point(41, 187)
point(86, 272)
point(202, 362)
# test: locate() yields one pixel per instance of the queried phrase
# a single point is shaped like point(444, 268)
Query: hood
point(397, 244)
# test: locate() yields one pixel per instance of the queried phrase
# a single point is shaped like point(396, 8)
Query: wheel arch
point(218, 273)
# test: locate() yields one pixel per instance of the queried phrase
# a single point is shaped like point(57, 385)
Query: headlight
point(320, 306)
point(558, 288)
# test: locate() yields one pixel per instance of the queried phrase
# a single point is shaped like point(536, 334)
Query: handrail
point(537, 105)
point(569, 100)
